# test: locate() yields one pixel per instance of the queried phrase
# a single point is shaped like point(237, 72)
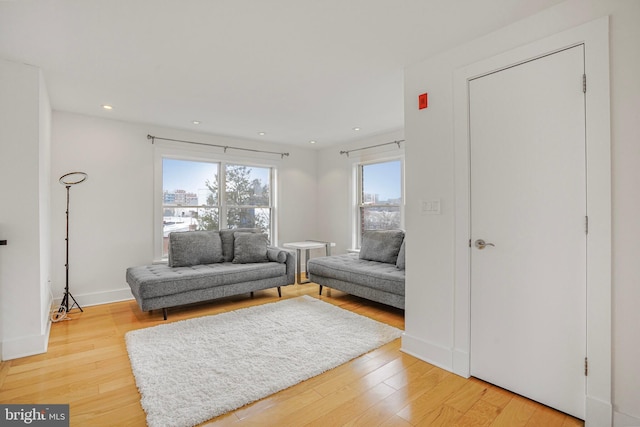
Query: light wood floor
point(87, 367)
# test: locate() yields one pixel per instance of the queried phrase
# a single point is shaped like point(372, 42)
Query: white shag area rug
point(193, 370)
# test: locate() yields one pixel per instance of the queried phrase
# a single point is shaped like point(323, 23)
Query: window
point(380, 196)
point(192, 198)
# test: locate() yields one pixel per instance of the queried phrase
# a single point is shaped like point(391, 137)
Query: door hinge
point(586, 225)
point(584, 83)
point(586, 366)
point(469, 242)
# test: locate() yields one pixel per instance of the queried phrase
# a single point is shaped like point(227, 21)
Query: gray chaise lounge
point(205, 265)
point(376, 273)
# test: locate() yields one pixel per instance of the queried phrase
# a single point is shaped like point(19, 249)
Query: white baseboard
point(26, 346)
point(431, 353)
point(624, 420)
point(98, 298)
point(455, 361)
point(598, 413)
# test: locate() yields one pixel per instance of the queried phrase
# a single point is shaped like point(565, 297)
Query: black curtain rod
point(226, 147)
point(372, 146)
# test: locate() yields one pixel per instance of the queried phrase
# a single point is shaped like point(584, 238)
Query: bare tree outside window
point(193, 200)
point(248, 197)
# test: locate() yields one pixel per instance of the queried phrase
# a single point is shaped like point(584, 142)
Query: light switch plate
point(430, 207)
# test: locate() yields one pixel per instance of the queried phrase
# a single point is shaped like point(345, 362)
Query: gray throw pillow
point(381, 245)
point(250, 248)
point(400, 262)
point(227, 240)
point(189, 248)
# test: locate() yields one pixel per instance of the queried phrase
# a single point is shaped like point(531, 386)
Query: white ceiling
point(298, 70)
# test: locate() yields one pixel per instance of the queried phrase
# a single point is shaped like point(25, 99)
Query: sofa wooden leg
point(279, 292)
point(164, 313)
point(320, 291)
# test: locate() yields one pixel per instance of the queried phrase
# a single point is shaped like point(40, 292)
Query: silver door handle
point(481, 244)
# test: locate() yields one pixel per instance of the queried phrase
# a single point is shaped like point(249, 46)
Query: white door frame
point(595, 37)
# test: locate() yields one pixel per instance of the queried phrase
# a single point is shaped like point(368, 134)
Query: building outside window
point(192, 198)
point(380, 196)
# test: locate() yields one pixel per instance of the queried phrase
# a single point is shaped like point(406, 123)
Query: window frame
point(165, 151)
point(224, 206)
point(357, 202)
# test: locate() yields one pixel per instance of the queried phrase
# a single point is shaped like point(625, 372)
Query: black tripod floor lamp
point(69, 179)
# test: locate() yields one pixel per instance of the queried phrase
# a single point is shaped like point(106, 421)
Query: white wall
point(335, 185)
point(111, 213)
point(24, 211)
point(430, 174)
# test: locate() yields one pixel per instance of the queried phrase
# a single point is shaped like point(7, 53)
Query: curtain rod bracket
point(152, 138)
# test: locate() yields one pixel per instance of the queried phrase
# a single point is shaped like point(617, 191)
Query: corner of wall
point(428, 351)
point(44, 160)
point(26, 346)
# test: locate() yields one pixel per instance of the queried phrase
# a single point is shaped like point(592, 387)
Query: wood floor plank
point(354, 407)
point(497, 396)
point(443, 416)
point(418, 383)
point(412, 371)
point(467, 396)
point(395, 421)
point(433, 399)
point(517, 413)
point(570, 421)
point(278, 405)
point(4, 371)
point(388, 408)
point(87, 367)
point(374, 371)
point(62, 370)
point(309, 414)
point(481, 414)
point(546, 417)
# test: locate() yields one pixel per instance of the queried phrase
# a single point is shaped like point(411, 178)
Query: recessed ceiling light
point(312, 142)
point(262, 133)
point(356, 129)
point(107, 107)
point(196, 122)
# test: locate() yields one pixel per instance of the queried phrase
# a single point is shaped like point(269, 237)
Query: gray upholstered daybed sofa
point(376, 273)
point(204, 265)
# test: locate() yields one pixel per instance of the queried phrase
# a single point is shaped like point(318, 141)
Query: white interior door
point(528, 198)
